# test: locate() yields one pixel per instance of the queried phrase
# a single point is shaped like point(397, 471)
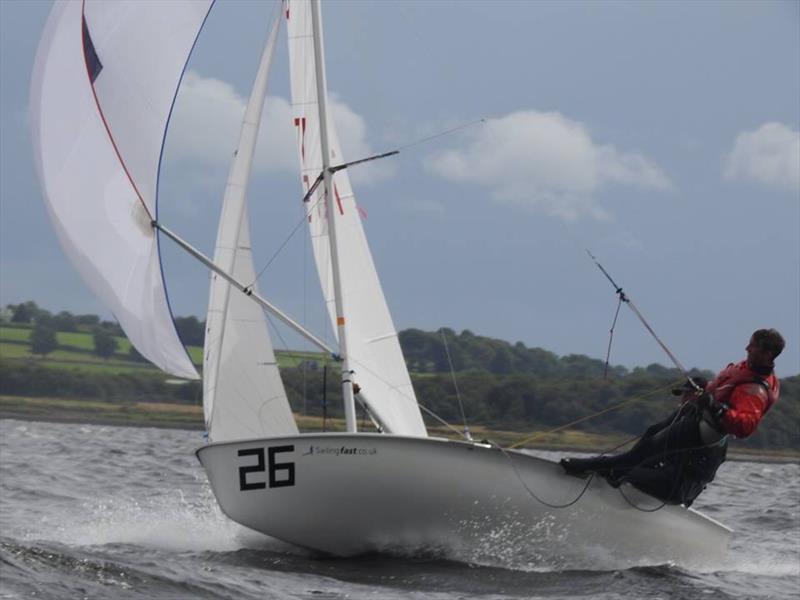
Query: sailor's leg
point(666, 445)
point(662, 483)
point(663, 439)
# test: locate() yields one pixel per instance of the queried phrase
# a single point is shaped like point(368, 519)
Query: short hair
point(770, 340)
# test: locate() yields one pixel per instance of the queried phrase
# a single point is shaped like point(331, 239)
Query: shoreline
point(190, 418)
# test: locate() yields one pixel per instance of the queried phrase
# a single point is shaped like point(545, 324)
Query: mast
point(347, 383)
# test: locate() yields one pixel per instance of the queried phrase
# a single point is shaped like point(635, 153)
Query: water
point(110, 512)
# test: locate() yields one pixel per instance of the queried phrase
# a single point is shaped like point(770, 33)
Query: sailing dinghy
point(105, 80)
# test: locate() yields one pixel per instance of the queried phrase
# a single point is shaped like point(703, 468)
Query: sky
point(662, 136)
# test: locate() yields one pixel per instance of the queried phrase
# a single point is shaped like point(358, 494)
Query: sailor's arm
point(745, 409)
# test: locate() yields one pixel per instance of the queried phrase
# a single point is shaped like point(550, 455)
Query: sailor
point(675, 459)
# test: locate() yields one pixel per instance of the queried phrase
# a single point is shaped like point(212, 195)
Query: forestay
point(105, 78)
point(373, 347)
point(243, 396)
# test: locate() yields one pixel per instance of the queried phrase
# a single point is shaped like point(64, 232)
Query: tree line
point(513, 402)
point(424, 351)
point(501, 385)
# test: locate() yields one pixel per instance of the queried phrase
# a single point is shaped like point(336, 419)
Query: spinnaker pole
point(248, 290)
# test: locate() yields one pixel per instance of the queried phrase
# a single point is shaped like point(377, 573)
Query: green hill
point(502, 386)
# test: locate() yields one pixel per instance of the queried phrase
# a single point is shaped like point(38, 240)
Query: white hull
point(346, 494)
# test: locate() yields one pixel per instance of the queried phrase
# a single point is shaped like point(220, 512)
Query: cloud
point(547, 162)
point(428, 208)
point(208, 115)
point(769, 155)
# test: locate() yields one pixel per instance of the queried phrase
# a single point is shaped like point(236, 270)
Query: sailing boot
point(579, 467)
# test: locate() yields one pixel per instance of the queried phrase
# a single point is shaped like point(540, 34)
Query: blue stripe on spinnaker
point(93, 64)
point(158, 178)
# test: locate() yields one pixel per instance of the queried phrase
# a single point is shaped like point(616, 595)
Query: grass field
point(76, 351)
point(76, 340)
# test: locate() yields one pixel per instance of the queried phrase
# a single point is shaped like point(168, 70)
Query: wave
point(172, 521)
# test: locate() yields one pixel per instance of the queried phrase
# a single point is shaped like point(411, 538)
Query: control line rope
point(530, 492)
point(591, 416)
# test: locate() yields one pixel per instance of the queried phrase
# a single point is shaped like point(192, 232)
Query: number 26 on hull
point(281, 474)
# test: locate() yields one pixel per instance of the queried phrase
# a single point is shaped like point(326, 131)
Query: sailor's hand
point(704, 401)
point(715, 410)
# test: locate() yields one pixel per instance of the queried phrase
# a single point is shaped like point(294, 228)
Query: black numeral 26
point(274, 468)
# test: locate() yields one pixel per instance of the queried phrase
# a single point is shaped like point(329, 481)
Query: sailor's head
point(764, 347)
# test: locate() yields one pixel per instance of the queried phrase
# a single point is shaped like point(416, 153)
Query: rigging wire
point(624, 298)
point(442, 421)
point(611, 338)
point(285, 241)
point(467, 433)
point(336, 168)
point(358, 363)
point(277, 332)
point(442, 133)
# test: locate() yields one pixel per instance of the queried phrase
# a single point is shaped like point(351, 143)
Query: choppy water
point(110, 512)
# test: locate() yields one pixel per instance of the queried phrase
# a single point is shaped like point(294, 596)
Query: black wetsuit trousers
point(661, 441)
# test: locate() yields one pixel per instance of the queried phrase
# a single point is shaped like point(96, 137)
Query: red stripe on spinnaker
point(103, 117)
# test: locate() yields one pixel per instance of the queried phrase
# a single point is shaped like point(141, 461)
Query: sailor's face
point(756, 356)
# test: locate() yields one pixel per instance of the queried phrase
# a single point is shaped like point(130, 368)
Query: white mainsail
point(373, 347)
point(243, 396)
point(104, 81)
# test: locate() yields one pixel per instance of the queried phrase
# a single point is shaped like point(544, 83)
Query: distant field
point(14, 334)
point(76, 340)
point(76, 352)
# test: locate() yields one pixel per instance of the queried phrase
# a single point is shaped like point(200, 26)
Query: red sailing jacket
point(748, 400)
